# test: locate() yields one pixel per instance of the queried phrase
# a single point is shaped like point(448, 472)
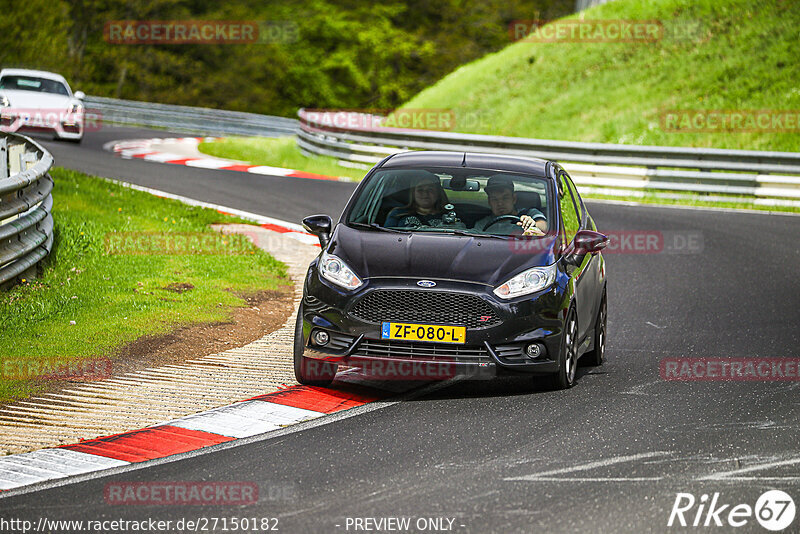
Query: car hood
point(485, 260)
point(35, 100)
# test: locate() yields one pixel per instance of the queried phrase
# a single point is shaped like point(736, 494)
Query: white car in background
point(39, 101)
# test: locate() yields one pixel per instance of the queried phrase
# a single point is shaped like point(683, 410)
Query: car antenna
point(464, 160)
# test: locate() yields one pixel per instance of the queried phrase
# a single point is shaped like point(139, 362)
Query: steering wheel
point(501, 218)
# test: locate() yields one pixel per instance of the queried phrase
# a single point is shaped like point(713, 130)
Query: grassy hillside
point(713, 55)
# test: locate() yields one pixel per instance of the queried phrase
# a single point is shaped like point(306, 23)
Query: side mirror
point(320, 226)
point(589, 242)
point(80, 95)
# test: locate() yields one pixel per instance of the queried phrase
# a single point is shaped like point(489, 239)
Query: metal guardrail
point(205, 121)
point(770, 178)
point(26, 223)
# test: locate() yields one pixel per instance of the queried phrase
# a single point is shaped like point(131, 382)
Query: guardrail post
point(25, 159)
point(3, 158)
point(15, 153)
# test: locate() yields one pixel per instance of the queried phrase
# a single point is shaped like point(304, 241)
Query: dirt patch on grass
point(266, 311)
point(179, 287)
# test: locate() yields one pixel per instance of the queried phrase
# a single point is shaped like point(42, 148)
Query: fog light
point(534, 350)
point(321, 337)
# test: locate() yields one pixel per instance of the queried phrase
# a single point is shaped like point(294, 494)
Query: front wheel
point(568, 354)
point(308, 371)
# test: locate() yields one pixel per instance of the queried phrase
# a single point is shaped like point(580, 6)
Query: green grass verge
point(731, 55)
point(276, 152)
point(114, 299)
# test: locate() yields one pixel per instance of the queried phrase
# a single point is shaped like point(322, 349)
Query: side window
point(577, 198)
point(569, 211)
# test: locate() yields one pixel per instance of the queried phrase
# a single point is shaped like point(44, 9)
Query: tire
point(567, 354)
point(597, 355)
point(308, 371)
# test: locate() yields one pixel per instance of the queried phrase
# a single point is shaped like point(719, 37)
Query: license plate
point(434, 333)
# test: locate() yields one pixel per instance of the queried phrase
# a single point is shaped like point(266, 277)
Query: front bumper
point(487, 351)
point(63, 125)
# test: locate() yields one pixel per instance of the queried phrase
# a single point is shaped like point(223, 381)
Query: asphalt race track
point(279, 196)
point(609, 455)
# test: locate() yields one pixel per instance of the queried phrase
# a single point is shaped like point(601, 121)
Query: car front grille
point(436, 307)
point(445, 352)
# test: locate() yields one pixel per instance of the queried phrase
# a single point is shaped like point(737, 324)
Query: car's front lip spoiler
point(544, 366)
point(441, 370)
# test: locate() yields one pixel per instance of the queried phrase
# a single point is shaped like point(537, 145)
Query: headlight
point(529, 281)
point(75, 108)
point(4, 101)
point(335, 270)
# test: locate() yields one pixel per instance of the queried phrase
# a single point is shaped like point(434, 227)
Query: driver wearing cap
point(502, 201)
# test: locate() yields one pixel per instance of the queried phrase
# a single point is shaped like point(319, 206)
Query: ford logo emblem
point(426, 283)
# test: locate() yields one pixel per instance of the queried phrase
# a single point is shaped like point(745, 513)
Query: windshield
point(454, 200)
point(30, 83)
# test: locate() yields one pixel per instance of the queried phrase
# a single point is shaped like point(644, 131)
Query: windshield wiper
point(469, 234)
point(377, 226)
point(432, 230)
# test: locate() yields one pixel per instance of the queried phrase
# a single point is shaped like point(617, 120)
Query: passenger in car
point(425, 207)
point(503, 201)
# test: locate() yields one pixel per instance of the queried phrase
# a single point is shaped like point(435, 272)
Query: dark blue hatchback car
point(448, 264)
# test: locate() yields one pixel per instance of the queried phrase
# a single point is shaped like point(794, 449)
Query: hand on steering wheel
point(529, 227)
point(501, 218)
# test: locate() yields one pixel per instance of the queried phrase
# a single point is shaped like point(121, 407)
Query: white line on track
point(598, 479)
point(593, 465)
point(731, 475)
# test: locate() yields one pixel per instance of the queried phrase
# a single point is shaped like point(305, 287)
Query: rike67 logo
point(774, 510)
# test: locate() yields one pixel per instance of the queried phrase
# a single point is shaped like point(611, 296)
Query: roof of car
point(476, 160)
point(37, 73)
